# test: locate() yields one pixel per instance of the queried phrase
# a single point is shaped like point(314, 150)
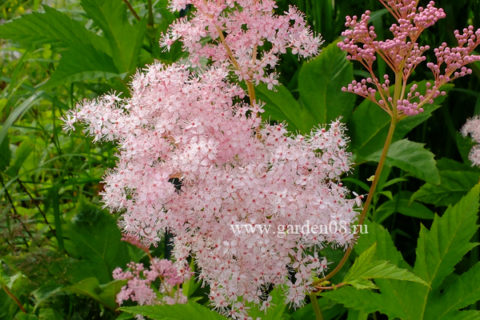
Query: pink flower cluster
point(246, 33)
point(194, 160)
point(403, 54)
point(472, 128)
point(139, 284)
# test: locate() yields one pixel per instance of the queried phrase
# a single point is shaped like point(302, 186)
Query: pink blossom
point(234, 31)
point(139, 285)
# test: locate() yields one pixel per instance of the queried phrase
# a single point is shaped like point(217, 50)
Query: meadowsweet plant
point(195, 159)
point(402, 54)
point(472, 128)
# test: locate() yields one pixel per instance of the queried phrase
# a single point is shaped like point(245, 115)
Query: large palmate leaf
point(411, 157)
point(83, 62)
point(53, 27)
point(321, 99)
point(125, 39)
point(320, 82)
point(280, 105)
point(93, 238)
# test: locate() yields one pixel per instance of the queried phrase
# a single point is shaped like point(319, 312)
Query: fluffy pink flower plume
point(233, 170)
point(238, 31)
point(194, 160)
point(403, 54)
point(472, 128)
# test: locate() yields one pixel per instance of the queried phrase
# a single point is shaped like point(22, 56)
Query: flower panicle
point(403, 54)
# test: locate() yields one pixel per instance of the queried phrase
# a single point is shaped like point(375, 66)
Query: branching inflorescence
point(403, 54)
point(230, 169)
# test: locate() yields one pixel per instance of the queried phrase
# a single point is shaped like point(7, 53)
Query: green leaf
point(45, 292)
point(83, 62)
point(411, 157)
point(49, 314)
point(125, 39)
point(5, 154)
point(438, 251)
point(53, 200)
point(320, 82)
point(321, 99)
point(330, 310)
point(456, 180)
point(367, 267)
point(357, 315)
point(386, 249)
point(103, 293)
point(366, 301)
point(52, 27)
point(281, 106)
point(94, 239)
point(18, 112)
point(448, 240)
point(401, 203)
point(369, 125)
point(462, 292)
point(464, 315)
point(21, 154)
point(189, 311)
point(441, 248)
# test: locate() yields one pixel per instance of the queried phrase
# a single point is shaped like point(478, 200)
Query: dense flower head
point(403, 54)
point(246, 33)
point(195, 160)
point(472, 128)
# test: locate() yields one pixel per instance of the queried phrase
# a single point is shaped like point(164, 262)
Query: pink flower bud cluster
point(472, 128)
point(403, 54)
point(246, 33)
point(195, 160)
point(140, 279)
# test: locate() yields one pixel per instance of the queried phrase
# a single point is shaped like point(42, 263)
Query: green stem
point(150, 13)
point(316, 307)
point(371, 193)
point(378, 172)
point(251, 92)
point(14, 298)
point(129, 6)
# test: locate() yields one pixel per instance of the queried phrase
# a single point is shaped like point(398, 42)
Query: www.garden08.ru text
point(294, 229)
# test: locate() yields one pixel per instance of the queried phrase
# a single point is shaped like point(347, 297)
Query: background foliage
point(59, 247)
